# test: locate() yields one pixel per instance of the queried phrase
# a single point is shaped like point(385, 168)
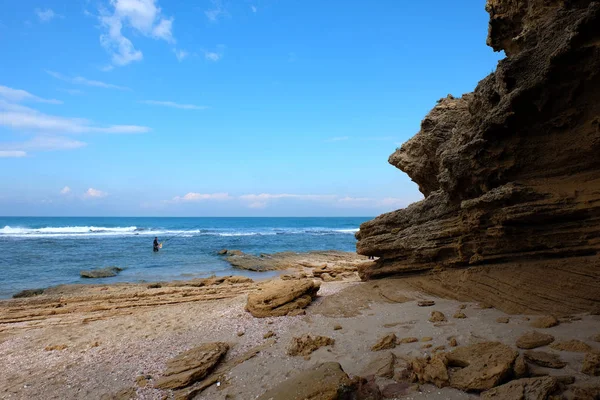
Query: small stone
point(409, 340)
point(520, 368)
point(591, 364)
point(596, 338)
point(544, 359)
point(460, 315)
point(484, 306)
point(426, 303)
point(533, 339)
point(545, 322)
point(576, 346)
point(437, 316)
point(427, 346)
point(240, 333)
point(462, 306)
point(269, 334)
point(55, 347)
point(337, 327)
point(426, 339)
point(141, 381)
point(502, 320)
point(453, 342)
point(439, 348)
point(306, 344)
point(386, 342)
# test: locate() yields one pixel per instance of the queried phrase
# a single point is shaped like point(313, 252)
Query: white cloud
point(94, 193)
point(44, 143)
point(181, 54)
point(174, 105)
point(212, 56)
point(79, 80)
point(337, 139)
point(65, 190)
point(72, 92)
point(18, 95)
point(254, 9)
point(107, 68)
point(258, 205)
point(46, 15)
point(216, 11)
point(12, 154)
point(194, 197)
point(144, 17)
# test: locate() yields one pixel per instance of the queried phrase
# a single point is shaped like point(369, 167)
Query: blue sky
point(223, 108)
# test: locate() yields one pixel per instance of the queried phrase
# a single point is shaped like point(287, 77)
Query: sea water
point(40, 252)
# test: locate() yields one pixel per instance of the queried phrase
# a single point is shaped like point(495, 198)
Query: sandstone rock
point(545, 322)
point(596, 338)
point(55, 347)
point(386, 342)
point(520, 369)
point(123, 394)
point(395, 390)
point(453, 342)
point(325, 382)
point(591, 364)
point(533, 339)
point(437, 316)
point(337, 327)
point(101, 272)
point(521, 205)
point(439, 348)
point(459, 315)
point(502, 320)
point(279, 298)
point(522, 389)
point(429, 370)
point(269, 334)
point(222, 252)
point(544, 359)
point(381, 365)
point(28, 293)
point(426, 339)
point(408, 340)
point(482, 365)
point(192, 365)
point(427, 346)
point(306, 344)
point(240, 333)
point(426, 303)
point(574, 345)
point(327, 277)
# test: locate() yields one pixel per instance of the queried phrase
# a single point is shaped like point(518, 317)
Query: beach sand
point(93, 341)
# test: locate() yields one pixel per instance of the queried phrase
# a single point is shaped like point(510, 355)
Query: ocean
point(39, 252)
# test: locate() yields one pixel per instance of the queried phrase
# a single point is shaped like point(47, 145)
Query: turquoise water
point(38, 252)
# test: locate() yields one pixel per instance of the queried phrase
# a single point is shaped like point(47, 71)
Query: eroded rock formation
point(510, 172)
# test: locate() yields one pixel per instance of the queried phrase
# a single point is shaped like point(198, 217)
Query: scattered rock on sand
point(337, 327)
point(591, 364)
point(427, 346)
point(576, 346)
point(502, 320)
point(533, 339)
point(520, 369)
point(596, 338)
point(55, 347)
point(426, 303)
point(240, 333)
point(408, 340)
point(269, 334)
point(453, 342)
point(523, 389)
point(437, 316)
point(459, 315)
point(395, 390)
point(192, 365)
point(544, 359)
point(123, 394)
point(386, 342)
point(28, 293)
point(325, 382)
point(545, 322)
point(101, 272)
point(381, 365)
point(483, 365)
point(279, 298)
point(306, 344)
point(427, 339)
point(429, 370)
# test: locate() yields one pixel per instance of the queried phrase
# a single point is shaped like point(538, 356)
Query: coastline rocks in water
point(334, 263)
point(533, 339)
point(28, 293)
point(591, 364)
point(101, 272)
point(306, 344)
point(523, 389)
point(324, 382)
point(545, 322)
point(510, 172)
point(576, 346)
point(386, 342)
point(279, 298)
point(192, 365)
point(544, 359)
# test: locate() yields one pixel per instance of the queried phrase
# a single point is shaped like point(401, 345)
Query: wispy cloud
point(217, 11)
point(12, 154)
point(44, 143)
point(92, 193)
point(107, 68)
point(72, 92)
point(337, 139)
point(196, 197)
point(79, 80)
point(18, 95)
point(212, 56)
point(181, 54)
point(174, 105)
point(65, 190)
point(143, 17)
point(254, 9)
point(46, 15)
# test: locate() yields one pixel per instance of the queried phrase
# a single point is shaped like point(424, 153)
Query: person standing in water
point(156, 245)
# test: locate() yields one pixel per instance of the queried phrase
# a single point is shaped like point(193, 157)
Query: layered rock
point(510, 172)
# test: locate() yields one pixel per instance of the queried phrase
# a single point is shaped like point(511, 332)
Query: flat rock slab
point(576, 346)
point(522, 389)
point(533, 339)
point(544, 359)
point(482, 365)
point(325, 382)
point(426, 303)
point(381, 365)
point(545, 322)
point(192, 365)
point(386, 342)
point(101, 272)
point(279, 298)
point(306, 344)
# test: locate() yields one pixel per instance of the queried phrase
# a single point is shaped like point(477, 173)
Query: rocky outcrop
point(279, 298)
point(332, 262)
point(510, 172)
point(306, 344)
point(107, 272)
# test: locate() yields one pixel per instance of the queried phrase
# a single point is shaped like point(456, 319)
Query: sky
point(223, 108)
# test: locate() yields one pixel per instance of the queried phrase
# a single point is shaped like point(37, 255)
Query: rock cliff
point(510, 172)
